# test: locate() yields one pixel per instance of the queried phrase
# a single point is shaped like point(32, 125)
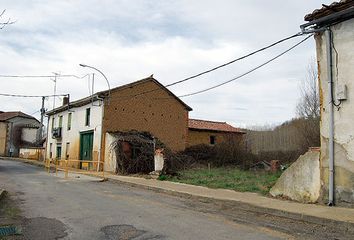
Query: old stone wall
point(301, 181)
point(343, 74)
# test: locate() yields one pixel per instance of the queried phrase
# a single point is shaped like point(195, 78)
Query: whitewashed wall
point(343, 73)
point(110, 154)
point(29, 134)
point(72, 136)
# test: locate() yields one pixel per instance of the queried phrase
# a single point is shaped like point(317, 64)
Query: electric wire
point(42, 76)
point(248, 72)
point(31, 96)
point(235, 60)
point(217, 67)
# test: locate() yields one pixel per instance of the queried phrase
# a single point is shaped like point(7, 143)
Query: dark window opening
point(88, 113)
point(69, 121)
point(212, 140)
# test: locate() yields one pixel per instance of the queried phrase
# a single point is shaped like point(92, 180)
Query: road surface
point(83, 208)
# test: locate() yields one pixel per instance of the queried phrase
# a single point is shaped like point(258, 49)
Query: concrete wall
point(15, 127)
point(72, 136)
point(156, 112)
point(32, 153)
point(29, 134)
point(3, 138)
point(196, 137)
point(343, 34)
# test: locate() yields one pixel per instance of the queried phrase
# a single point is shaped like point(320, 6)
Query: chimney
point(65, 100)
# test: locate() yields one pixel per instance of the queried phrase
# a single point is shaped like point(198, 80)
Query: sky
point(130, 40)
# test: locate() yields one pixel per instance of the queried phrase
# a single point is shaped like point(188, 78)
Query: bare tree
point(308, 108)
point(309, 103)
point(5, 23)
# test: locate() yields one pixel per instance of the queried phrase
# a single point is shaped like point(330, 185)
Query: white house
point(75, 132)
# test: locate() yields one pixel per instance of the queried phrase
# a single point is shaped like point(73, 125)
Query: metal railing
point(88, 167)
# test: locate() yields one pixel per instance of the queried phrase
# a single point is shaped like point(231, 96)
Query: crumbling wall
point(301, 181)
point(343, 72)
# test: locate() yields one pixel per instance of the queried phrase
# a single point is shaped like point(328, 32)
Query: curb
point(246, 206)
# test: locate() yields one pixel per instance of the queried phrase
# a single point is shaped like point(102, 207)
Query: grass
point(228, 178)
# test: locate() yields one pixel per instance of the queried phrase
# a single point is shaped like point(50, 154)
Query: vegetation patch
point(228, 178)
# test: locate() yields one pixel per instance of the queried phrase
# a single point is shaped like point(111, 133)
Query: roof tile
point(329, 9)
point(8, 115)
point(212, 126)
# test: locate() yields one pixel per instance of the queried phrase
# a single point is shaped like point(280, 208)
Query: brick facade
point(158, 112)
point(196, 137)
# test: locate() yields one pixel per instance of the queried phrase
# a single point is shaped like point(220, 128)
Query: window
point(53, 121)
point(212, 140)
point(67, 150)
point(50, 150)
point(58, 155)
point(60, 121)
point(88, 113)
point(69, 121)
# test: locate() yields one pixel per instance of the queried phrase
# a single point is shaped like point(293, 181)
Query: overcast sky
point(130, 40)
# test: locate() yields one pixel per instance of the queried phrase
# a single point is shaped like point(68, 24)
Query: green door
point(58, 155)
point(86, 145)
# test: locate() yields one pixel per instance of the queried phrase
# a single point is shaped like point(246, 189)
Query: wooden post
point(56, 167)
point(48, 166)
point(66, 168)
point(103, 170)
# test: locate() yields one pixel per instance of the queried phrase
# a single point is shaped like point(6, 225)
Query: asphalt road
point(83, 208)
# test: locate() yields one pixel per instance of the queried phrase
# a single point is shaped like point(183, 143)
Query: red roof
point(8, 115)
point(212, 126)
point(329, 9)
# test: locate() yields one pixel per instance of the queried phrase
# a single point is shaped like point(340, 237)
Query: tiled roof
point(329, 9)
point(212, 126)
point(8, 115)
point(104, 94)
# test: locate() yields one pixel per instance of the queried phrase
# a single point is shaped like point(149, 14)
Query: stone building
point(211, 132)
point(17, 130)
point(334, 34)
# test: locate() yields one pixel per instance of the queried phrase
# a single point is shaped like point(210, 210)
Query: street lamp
point(109, 87)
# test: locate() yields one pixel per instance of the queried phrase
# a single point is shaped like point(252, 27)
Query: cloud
point(170, 39)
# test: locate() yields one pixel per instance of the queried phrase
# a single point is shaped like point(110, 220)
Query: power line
point(220, 66)
point(31, 96)
point(235, 60)
point(248, 72)
point(42, 76)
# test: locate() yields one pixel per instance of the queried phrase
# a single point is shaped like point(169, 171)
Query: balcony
point(56, 133)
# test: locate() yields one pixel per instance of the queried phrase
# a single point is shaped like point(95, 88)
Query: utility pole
point(40, 133)
point(93, 84)
point(55, 88)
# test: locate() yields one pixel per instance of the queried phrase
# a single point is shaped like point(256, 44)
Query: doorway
point(86, 146)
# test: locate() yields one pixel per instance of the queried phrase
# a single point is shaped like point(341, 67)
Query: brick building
point(78, 129)
point(211, 132)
